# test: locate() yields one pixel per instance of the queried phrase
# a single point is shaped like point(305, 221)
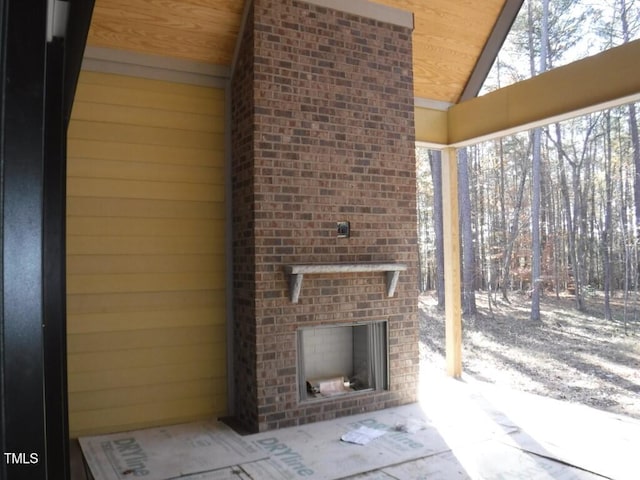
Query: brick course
point(322, 131)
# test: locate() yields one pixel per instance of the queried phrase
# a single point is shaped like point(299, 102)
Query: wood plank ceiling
point(447, 40)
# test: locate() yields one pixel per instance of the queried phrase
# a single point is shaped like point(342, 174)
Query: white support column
point(451, 233)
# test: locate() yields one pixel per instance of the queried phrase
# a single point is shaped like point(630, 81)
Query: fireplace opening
point(342, 359)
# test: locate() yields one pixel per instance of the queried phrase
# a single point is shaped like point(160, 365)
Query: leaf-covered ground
point(569, 355)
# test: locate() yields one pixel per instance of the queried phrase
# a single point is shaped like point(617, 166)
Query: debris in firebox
point(312, 389)
point(332, 386)
point(327, 387)
point(362, 435)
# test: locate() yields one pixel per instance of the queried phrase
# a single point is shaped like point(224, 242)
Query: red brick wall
point(244, 272)
point(331, 138)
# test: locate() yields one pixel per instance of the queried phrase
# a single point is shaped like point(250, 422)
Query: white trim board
point(154, 67)
point(432, 104)
point(367, 9)
point(362, 8)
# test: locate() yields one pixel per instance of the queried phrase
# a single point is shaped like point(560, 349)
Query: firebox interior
point(342, 359)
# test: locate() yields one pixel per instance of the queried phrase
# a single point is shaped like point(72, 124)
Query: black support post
point(54, 260)
point(37, 84)
point(22, 153)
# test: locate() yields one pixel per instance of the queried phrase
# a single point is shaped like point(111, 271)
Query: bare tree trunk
point(624, 232)
point(577, 226)
point(481, 223)
point(468, 260)
point(513, 235)
point(606, 242)
point(503, 278)
point(566, 202)
point(435, 161)
point(555, 229)
point(635, 142)
point(536, 177)
point(423, 275)
point(577, 243)
point(535, 226)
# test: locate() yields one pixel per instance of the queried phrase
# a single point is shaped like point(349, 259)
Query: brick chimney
point(322, 132)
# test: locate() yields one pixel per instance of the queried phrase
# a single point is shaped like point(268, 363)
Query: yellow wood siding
point(145, 254)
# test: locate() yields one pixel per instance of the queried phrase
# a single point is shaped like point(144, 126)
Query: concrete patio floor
point(458, 430)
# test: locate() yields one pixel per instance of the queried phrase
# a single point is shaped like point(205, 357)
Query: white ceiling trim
point(367, 9)
point(432, 104)
point(154, 67)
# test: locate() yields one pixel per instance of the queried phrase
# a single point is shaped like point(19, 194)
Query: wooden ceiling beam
point(606, 80)
point(431, 126)
point(430, 117)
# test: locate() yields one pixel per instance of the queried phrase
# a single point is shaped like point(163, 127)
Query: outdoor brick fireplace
point(322, 133)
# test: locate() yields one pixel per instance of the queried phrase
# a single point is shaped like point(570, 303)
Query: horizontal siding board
point(144, 282)
point(137, 376)
point(139, 116)
point(146, 306)
point(132, 227)
point(141, 245)
point(142, 416)
point(147, 85)
point(149, 319)
point(143, 302)
point(109, 264)
point(95, 93)
point(107, 188)
point(157, 172)
point(145, 357)
point(137, 135)
point(121, 397)
point(81, 149)
point(142, 208)
point(132, 339)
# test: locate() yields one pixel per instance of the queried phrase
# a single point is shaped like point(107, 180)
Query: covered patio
point(198, 158)
point(459, 429)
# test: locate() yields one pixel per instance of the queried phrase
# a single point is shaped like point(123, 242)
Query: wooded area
point(555, 210)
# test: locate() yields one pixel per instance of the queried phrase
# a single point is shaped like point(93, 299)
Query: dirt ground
point(572, 356)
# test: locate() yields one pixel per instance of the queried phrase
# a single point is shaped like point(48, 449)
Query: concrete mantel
point(297, 272)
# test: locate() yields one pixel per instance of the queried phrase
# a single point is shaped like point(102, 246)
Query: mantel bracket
point(296, 273)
